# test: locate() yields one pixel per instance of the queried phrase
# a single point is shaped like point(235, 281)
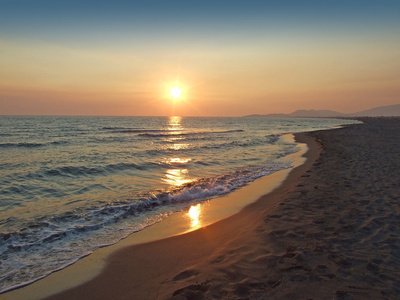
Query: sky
point(229, 58)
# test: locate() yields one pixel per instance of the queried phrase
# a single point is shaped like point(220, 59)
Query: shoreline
point(87, 268)
point(167, 262)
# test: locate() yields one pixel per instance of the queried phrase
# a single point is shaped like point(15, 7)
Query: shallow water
point(69, 185)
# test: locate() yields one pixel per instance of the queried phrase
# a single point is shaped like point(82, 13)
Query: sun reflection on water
point(177, 160)
point(177, 146)
point(194, 214)
point(175, 123)
point(176, 177)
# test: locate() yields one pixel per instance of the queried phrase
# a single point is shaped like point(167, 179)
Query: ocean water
point(69, 185)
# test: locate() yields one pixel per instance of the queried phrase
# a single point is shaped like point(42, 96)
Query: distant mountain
point(382, 111)
point(316, 113)
point(302, 113)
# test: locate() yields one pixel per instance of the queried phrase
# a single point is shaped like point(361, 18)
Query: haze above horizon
point(228, 58)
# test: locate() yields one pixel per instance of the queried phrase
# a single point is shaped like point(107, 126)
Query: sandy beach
point(330, 231)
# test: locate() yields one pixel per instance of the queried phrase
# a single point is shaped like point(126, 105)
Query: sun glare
point(175, 92)
point(194, 214)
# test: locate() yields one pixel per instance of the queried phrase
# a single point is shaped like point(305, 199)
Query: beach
point(199, 150)
point(329, 231)
point(91, 182)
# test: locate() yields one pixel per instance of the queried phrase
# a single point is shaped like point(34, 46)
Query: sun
point(175, 92)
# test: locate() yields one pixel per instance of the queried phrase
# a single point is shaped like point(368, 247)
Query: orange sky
point(231, 72)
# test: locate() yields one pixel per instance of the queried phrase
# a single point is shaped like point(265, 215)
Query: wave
point(113, 128)
point(58, 143)
point(51, 240)
point(270, 139)
point(31, 145)
point(94, 218)
point(218, 144)
point(137, 131)
point(273, 138)
point(162, 132)
point(77, 171)
point(131, 130)
point(20, 145)
point(185, 133)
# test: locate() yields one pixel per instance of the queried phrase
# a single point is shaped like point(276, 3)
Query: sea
point(69, 185)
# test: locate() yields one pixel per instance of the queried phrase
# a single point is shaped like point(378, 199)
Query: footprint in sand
point(185, 274)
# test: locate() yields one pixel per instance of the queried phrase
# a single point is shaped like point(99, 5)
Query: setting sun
point(175, 92)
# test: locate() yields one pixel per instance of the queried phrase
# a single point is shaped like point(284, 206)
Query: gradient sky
point(231, 58)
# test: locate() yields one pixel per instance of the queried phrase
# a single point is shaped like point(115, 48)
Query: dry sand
point(330, 231)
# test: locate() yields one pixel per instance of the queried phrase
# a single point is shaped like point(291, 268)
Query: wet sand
point(330, 231)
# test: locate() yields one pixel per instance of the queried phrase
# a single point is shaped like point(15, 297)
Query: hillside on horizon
point(381, 111)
